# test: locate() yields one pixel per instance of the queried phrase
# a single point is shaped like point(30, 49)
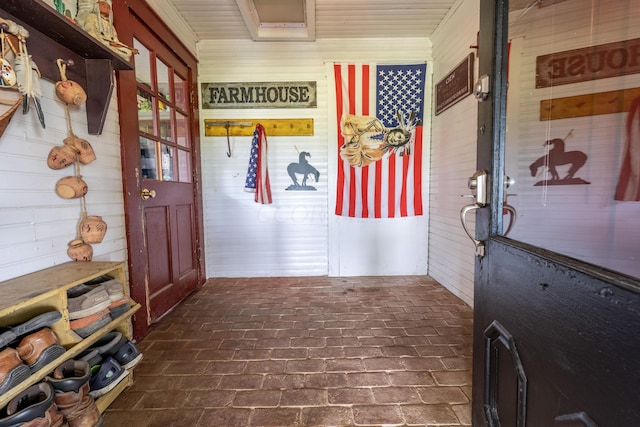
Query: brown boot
point(34, 407)
point(40, 348)
point(12, 370)
point(71, 384)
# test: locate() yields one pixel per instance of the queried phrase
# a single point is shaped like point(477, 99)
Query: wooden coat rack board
point(616, 101)
point(245, 127)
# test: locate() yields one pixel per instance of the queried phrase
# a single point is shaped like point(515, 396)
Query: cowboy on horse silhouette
point(303, 168)
point(557, 156)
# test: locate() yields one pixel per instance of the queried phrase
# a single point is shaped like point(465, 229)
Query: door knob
point(478, 183)
point(147, 194)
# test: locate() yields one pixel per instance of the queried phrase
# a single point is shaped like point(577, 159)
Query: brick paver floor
point(305, 351)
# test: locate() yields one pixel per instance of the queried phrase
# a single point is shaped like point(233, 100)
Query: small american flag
point(258, 174)
point(383, 180)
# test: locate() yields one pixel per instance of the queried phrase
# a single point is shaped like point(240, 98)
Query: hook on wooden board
point(227, 125)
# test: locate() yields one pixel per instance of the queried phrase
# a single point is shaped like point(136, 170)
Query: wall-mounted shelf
point(53, 36)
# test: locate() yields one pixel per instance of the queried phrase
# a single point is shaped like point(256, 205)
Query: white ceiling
point(223, 19)
point(324, 19)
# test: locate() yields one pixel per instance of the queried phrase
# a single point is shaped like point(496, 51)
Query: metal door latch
point(478, 183)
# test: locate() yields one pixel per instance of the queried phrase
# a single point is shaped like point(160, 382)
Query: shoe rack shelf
point(46, 290)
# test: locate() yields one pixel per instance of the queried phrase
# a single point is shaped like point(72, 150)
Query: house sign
point(590, 63)
point(259, 95)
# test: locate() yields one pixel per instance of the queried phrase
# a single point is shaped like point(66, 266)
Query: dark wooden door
point(159, 123)
point(556, 303)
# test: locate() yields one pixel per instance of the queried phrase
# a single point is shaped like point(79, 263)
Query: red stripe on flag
point(364, 190)
point(417, 172)
point(352, 89)
point(365, 90)
point(339, 103)
point(364, 185)
point(391, 201)
point(404, 189)
point(352, 110)
point(378, 191)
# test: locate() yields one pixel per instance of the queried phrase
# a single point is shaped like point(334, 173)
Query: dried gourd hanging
point(91, 229)
point(71, 92)
point(67, 90)
point(28, 76)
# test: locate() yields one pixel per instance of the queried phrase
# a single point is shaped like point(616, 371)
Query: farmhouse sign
point(455, 85)
point(589, 63)
point(259, 95)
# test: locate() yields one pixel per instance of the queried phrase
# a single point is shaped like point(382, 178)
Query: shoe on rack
point(113, 288)
point(40, 348)
point(34, 407)
point(108, 343)
point(85, 287)
point(9, 334)
point(88, 303)
point(105, 377)
point(119, 307)
point(70, 381)
point(13, 371)
point(128, 355)
point(85, 326)
point(116, 345)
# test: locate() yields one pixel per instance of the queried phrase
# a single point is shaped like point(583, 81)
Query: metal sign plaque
point(259, 95)
point(455, 85)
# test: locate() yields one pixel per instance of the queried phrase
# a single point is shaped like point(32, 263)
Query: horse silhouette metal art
point(557, 156)
point(302, 168)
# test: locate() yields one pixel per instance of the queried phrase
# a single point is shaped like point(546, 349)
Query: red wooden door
point(160, 148)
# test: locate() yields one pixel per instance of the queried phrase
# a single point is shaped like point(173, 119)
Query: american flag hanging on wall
point(379, 114)
point(258, 172)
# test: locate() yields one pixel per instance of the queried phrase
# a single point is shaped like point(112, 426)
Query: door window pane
point(180, 87)
point(182, 129)
point(145, 112)
point(165, 122)
point(184, 166)
point(571, 126)
point(143, 64)
point(163, 81)
point(167, 162)
point(148, 158)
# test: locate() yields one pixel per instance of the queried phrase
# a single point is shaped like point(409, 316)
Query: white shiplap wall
point(298, 234)
point(453, 158)
point(35, 223)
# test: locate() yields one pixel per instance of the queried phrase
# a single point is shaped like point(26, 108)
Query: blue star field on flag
point(399, 88)
point(250, 182)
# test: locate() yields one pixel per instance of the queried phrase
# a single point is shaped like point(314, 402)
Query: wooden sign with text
point(455, 85)
point(259, 95)
point(589, 63)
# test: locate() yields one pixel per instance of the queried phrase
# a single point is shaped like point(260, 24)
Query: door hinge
point(195, 177)
point(199, 254)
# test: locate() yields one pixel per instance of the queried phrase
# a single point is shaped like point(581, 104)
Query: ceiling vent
point(284, 20)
